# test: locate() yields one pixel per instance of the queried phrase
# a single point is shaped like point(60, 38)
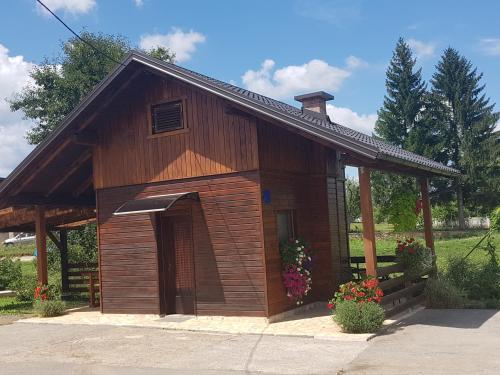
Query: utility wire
point(79, 37)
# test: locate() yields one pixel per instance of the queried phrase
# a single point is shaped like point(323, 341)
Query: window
point(167, 117)
point(286, 225)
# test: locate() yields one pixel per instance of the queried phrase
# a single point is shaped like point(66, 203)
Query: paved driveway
point(430, 342)
point(435, 342)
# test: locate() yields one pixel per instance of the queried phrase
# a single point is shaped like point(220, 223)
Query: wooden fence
point(401, 290)
point(82, 279)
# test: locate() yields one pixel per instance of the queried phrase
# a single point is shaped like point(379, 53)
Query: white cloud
point(290, 80)
point(347, 117)
point(490, 46)
point(14, 74)
point(184, 44)
point(139, 3)
point(422, 49)
point(69, 6)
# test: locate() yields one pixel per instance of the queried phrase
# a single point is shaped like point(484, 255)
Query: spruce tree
point(401, 111)
point(400, 123)
point(469, 122)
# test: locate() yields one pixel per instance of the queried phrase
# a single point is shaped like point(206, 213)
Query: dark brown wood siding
point(293, 170)
point(228, 247)
point(214, 141)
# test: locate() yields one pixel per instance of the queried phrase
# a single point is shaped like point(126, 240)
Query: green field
point(445, 248)
point(17, 250)
point(11, 306)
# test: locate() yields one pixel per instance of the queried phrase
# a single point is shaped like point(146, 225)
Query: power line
point(79, 37)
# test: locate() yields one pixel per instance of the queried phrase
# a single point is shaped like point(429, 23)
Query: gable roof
point(316, 125)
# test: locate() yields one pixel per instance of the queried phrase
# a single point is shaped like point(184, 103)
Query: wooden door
point(177, 285)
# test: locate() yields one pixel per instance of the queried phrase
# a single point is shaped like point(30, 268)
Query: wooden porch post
point(426, 211)
point(63, 236)
point(365, 192)
point(41, 245)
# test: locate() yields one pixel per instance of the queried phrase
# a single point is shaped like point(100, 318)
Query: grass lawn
point(380, 227)
point(17, 250)
point(445, 248)
point(11, 306)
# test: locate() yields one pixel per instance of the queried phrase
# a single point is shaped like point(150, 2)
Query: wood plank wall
point(215, 143)
point(293, 169)
point(228, 247)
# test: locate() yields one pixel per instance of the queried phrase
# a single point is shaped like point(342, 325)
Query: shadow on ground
point(450, 318)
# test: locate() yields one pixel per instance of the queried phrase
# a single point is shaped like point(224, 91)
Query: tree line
point(451, 120)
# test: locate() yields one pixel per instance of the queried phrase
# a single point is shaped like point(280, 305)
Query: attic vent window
point(167, 117)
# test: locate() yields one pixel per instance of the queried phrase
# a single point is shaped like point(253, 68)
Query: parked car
point(19, 238)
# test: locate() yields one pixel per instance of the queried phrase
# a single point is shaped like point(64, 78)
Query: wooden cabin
point(194, 183)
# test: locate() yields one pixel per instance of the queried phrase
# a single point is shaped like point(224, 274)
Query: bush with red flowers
point(363, 291)
point(42, 293)
point(356, 306)
point(414, 256)
point(46, 305)
point(297, 265)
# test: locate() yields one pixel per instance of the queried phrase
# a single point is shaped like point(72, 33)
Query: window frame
point(292, 221)
point(167, 133)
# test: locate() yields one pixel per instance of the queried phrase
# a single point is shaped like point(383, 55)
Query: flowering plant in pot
point(414, 256)
point(46, 305)
point(355, 307)
point(363, 291)
point(297, 266)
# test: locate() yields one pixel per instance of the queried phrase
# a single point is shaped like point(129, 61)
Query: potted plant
point(296, 262)
point(414, 256)
point(356, 306)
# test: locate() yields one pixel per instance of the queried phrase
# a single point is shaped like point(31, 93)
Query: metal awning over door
point(156, 203)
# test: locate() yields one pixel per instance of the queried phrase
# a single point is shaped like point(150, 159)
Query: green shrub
point(414, 256)
point(401, 213)
point(49, 308)
point(355, 317)
point(495, 219)
point(25, 287)
point(480, 280)
point(10, 272)
point(440, 293)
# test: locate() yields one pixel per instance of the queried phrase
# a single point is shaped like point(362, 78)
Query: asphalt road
point(430, 342)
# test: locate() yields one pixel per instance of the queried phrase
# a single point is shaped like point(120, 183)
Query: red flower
point(371, 283)
point(361, 294)
point(379, 292)
point(330, 305)
point(348, 298)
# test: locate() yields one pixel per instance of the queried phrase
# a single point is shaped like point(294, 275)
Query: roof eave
point(448, 172)
point(63, 125)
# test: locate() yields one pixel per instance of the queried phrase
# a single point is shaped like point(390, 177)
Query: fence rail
point(401, 290)
point(83, 279)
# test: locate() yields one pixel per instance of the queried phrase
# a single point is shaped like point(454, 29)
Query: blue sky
point(278, 48)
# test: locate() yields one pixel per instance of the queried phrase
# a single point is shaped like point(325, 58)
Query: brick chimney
point(314, 102)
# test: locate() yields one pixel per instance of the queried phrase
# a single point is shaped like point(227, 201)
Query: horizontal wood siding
point(293, 169)
point(214, 142)
point(228, 247)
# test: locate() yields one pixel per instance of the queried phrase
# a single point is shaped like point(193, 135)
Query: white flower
point(309, 258)
point(296, 241)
